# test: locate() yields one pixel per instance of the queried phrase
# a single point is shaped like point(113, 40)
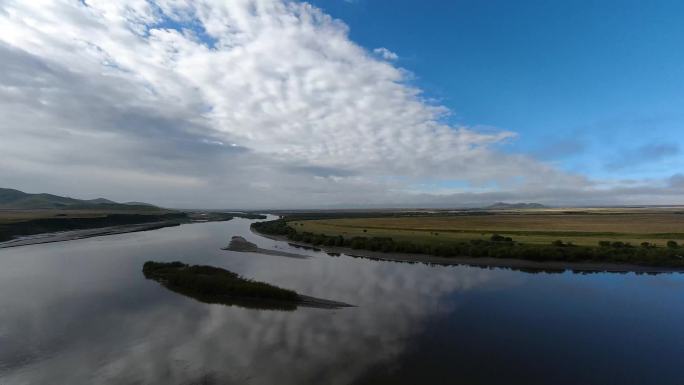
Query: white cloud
point(147, 91)
point(386, 54)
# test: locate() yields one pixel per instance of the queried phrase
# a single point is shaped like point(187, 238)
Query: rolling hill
point(19, 200)
point(513, 206)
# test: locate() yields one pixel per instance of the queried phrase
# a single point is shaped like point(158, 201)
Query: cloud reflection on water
point(102, 326)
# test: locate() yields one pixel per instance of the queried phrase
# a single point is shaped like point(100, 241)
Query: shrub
point(500, 238)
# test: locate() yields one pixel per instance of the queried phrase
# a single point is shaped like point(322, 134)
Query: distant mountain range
point(502, 206)
point(15, 199)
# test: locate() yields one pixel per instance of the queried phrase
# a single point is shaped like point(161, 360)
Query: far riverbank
point(71, 235)
point(484, 262)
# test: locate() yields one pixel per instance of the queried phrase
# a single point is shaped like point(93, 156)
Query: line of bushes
point(496, 247)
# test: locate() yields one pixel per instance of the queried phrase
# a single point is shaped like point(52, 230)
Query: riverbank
point(484, 262)
point(71, 235)
point(29, 227)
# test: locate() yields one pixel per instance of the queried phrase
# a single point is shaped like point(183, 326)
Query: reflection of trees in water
point(247, 303)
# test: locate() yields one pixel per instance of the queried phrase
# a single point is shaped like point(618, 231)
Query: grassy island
point(215, 285)
point(575, 237)
point(212, 281)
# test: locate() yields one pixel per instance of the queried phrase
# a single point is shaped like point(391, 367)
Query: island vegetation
point(215, 285)
point(219, 216)
point(446, 236)
point(212, 281)
point(246, 215)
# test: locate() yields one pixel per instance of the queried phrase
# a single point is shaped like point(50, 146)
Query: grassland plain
point(498, 250)
point(581, 227)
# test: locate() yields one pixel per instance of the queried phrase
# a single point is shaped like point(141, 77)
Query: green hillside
point(19, 200)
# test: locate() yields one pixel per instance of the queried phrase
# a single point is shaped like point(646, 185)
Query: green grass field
point(585, 227)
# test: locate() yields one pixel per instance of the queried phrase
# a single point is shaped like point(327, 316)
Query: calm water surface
point(81, 312)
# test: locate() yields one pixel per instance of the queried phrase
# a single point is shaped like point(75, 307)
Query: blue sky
point(358, 103)
point(585, 84)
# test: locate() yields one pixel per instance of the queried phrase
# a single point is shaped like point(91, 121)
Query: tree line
point(496, 246)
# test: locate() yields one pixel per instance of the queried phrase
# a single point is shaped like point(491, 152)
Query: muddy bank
point(85, 233)
point(485, 262)
point(62, 222)
point(242, 245)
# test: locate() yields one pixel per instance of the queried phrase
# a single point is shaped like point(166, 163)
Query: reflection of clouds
point(298, 348)
point(137, 332)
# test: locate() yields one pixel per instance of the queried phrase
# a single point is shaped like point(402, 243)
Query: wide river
point(81, 312)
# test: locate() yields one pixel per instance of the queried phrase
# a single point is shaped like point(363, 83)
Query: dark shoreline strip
point(71, 235)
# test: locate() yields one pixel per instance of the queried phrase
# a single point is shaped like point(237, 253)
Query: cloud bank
point(247, 103)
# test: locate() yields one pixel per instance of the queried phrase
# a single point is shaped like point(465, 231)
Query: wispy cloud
point(386, 54)
point(649, 153)
point(563, 148)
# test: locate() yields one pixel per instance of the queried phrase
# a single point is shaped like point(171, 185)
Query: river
point(81, 312)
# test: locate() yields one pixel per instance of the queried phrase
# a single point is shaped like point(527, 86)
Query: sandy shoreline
point(514, 264)
point(70, 235)
point(241, 245)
